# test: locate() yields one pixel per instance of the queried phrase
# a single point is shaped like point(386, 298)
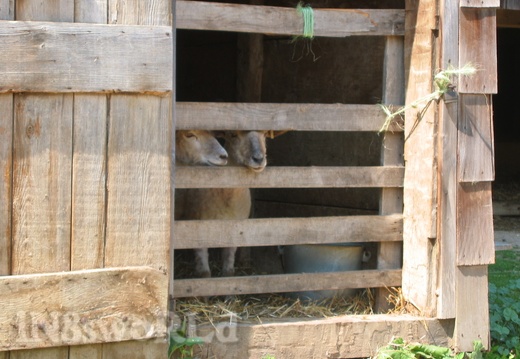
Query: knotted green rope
point(308, 20)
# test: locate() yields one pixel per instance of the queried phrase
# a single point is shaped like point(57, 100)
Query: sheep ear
point(273, 134)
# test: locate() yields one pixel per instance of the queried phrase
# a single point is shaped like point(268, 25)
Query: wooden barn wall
point(86, 176)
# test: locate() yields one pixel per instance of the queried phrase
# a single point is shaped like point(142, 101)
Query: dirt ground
point(507, 228)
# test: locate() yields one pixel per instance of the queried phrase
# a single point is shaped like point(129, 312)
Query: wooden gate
point(85, 147)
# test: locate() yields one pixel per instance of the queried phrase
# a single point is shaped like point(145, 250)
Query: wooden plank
point(36, 10)
point(287, 231)
point(475, 236)
point(281, 283)
point(480, 3)
point(447, 166)
point(89, 182)
point(506, 208)
point(478, 46)
point(476, 150)
point(508, 19)
point(389, 255)
point(364, 335)
point(91, 11)
point(42, 183)
point(138, 181)
point(89, 166)
point(137, 12)
point(41, 191)
point(289, 177)
point(57, 57)
point(80, 307)
point(199, 15)
point(139, 168)
point(6, 9)
point(6, 163)
point(48, 214)
point(419, 228)
point(472, 313)
point(271, 116)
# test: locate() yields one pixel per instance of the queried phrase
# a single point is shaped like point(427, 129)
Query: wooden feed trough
point(86, 136)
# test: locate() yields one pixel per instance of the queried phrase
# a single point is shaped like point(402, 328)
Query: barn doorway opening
point(506, 188)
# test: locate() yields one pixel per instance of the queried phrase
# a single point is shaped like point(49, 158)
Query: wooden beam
point(390, 255)
point(199, 15)
point(447, 180)
point(272, 116)
point(281, 283)
point(287, 231)
point(81, 307)
point(508, 19)
point(68, 57)
point(350, 336)
point(289, 177)
point(510, 4)
point(420, 181)
point(480, 3)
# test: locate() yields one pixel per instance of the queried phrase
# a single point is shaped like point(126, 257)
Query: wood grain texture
point(363, 336)
point(476, 148)
point(6, 163)
point(478, 46)
point(6, 9)
point(82, 307)
point(419, 273)
point(475, 236)
point(280, 283)
point(52, 10)
point(271, 116)
point(89, 182)
point(480, 3)
point(42, 166)
point(472, 321)
point(447, 166)
point(89, 174)
point(139, 168)
point(289, 177)
point(287, 231)
point(138, 190)
point(42, 162)
point(55, 57)
point(198, 15)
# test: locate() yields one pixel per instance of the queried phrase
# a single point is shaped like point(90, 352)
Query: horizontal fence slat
point(278, 116)
point(68, 57)
point(198, 15)
point(82, 307)
point(287, 231)
point(289, 177)
point(282, 283)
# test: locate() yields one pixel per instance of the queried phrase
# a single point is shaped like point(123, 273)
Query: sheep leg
point(228, 261)
point(202, 263)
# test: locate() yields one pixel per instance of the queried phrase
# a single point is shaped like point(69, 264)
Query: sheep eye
point(190, 135)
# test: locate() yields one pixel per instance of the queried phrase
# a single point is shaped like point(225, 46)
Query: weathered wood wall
point(86, 182)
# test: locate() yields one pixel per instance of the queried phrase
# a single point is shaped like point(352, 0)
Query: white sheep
point(195, 147)
point(245, 148)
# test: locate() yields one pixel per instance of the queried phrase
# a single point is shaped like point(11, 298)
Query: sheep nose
point(224, 156)
point(258, 158)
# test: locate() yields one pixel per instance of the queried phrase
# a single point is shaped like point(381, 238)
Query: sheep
point(245, 148)
point(195, 147)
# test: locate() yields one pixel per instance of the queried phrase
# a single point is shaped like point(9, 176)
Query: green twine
point(308, 20)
